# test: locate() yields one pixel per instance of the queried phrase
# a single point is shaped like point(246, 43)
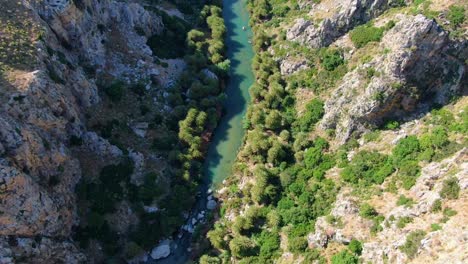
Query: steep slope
point(91, 102)
point(356, 142)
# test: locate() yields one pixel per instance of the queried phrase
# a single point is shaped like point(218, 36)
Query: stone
point(289, 66)
point(140, 129)
point(211, 204)
point(162, 250)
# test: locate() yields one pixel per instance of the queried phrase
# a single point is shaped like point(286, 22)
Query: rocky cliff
point(44, 95)
point(415, 72)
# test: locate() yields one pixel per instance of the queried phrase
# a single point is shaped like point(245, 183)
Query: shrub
point(372, 136)
point(403, 221)
point(392, 125)
point(371, 167)
point(355, 246)
point(297, 244)
point(413, 241)
point(436, 206)
point(331, 59)
point(76, 141)
point(450, 189)
point(456, 15)
point(364, 34)
point(205, 259)
point(242, 246)
point(269, 243)
point(314, 112)
point(406, 148)
point(435, 227)
point(367, 211)
point(344, 257)
point(115, 91)
point(404, 201)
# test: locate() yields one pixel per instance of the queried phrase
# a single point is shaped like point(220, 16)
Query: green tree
point(242, 246)
point(344, 257)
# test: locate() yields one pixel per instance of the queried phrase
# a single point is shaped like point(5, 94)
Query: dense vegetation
point(280, 184)
point(180, 140)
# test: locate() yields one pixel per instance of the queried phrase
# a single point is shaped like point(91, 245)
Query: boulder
point(162, 250)
point(211, 204)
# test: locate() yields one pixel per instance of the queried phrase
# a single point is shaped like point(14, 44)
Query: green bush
point(331, 59)
point(242, 246)
point(367, 211)
point(205, 259)
point(403, 221)
point(344, 257)
point(450, 189)
point(269, 243)
point(115, 91)
point(369, 167)
point(436, 206)
point(456, 15)
point(412, 244)
point(314, 112)
point(436, 227)
point(355, 246)
point(364, 34)
point(404, 201)
point(297, 244)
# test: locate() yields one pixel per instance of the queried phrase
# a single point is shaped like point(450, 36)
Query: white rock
point(162, 250)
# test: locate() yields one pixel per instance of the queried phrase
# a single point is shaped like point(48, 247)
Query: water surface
point(229, 134)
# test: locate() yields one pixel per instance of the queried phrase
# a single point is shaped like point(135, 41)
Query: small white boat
point(243, 28)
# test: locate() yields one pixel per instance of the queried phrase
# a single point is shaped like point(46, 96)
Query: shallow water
point(229, 134)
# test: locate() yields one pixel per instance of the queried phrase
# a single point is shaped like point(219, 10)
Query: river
point(228, 135)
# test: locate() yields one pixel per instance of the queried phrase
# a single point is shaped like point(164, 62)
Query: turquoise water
point(229, 134)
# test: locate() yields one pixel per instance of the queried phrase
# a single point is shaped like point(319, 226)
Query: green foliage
point(412, 244)
point(115, 91)
point(450, 188)
point(392, 125)
point(297, 244)
point(456, 15)
point(344, 257)
point(216, 237)
point(436, 206)
point(331, 59)
point(242, 246)
point(314, 112)
point(435, 227)
point(403, 221)
point(404, 201)
point(355, 246)
point(368, 167)
point(205, 259)
point(372, 136)
point(269, 243)
point(367, 211)
point(364, 34)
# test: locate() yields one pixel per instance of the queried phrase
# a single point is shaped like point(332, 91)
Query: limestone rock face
point(44, 105)
point(351, 13)
point(290, 66)
point(417, 72)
